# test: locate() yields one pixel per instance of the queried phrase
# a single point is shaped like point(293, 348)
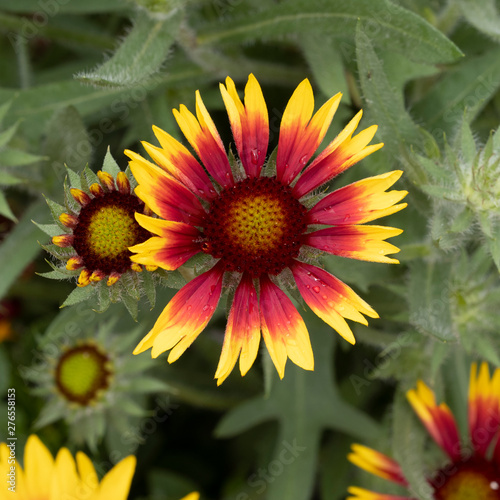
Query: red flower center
point(479, 480)
point(256, 226)
point(106, 228)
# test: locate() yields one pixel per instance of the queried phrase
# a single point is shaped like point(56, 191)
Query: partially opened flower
point(44, 477)
point(257, 225)
point(84, 372)
point(92, 233)
point(471, 471)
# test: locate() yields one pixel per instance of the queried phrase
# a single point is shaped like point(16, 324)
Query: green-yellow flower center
point(111, 231)
point(256, 226)
point(81, 373)
point(106, 228)
point(468, 482)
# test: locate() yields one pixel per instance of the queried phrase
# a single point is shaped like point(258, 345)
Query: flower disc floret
point(106, 228)
point(256, 226)
point(81, 373)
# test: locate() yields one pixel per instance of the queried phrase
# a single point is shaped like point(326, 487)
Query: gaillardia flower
point(85, 374)
point(93, 232)
point(257, 225)
point(44, 477)
point(472, 471)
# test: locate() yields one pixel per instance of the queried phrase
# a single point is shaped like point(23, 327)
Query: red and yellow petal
point(80, 196)
point(174, 245)
point(343, 152)
point(249, 123)
point(166, 196)
point(331, 299)
point(123, 183)
point(484, 407)
point(438, 420)
point(356, 242)
point(362, 494)
point(106, 180)
point(185, 316)
point(377, 463)
point(360, 202)
point(174, 158)
point(63, 240)
point(201, 133)
point(300, 135)
point(283, 329)
point(242, 335)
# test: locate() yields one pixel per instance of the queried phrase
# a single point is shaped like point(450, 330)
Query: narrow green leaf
point(8, 134)
point(388, 26)
point(429, 299)
point(141, 54)
point(78, 295)
point(330, 77)
point(468, 87)
point(3, 110)
point(54, 7)
point(5, 209)
point(20, 246)
point(483, 15)
point(17, 158)
point(50, 229)
point(67, 144)
point(386, 104)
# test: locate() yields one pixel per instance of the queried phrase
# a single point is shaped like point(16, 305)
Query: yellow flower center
point(106, 228)
point(111, 231)
point(255, 226)
point(477, 482)
point(81, 373)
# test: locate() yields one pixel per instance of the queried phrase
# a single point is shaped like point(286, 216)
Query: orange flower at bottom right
point(471, 473)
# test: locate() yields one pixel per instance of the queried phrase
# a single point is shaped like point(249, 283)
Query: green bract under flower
point(84, 372)
point(465, 185)
point(91, 237)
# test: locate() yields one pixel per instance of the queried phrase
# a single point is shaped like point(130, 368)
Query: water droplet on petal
point(303, 160)
point(254, 156)
point(189, 307)
point(347, 217)
point(205, 307)
point(316, 289)
point(201, 191)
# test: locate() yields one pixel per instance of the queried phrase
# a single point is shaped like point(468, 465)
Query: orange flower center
point(478, 481)
point(106, 228)
point(255, 226)
point(81, 373)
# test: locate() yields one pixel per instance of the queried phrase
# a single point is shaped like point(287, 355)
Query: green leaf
point(16, 158)
point(50, 229)
point(388, 26)
point(468, 87)
point(67, 144)
point(386, 104)
point(109, 165)
point(330, 77)
point(483, 15)
point(78, 295)
point(54, 7)
point(429, 299)
point(5, 210)
point(145, 384)
point(20, 247)
point(3, 110)
point(141, 54)
point(8, 134)
point(304, 403)
point(494, 244)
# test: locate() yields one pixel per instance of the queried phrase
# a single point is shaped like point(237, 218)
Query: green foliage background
point(78, 78)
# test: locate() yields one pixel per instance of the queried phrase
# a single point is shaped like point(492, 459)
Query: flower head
point(468, 473)
point(62, 477)
point(256, 223)
point(88, 378)
point(94, 231)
